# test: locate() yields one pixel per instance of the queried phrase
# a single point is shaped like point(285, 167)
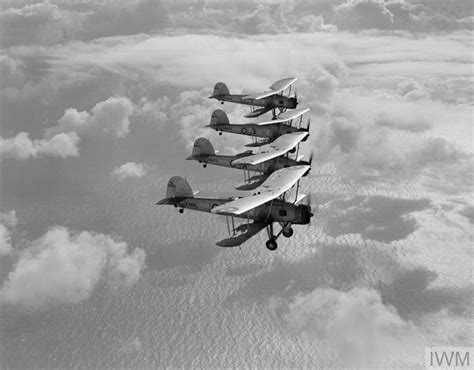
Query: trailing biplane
point(286, 123)
point(266, 206)
point(272, 157)
point(268, 101)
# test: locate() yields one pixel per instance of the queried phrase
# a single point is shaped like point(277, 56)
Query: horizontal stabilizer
point(277, 183)
point(246, 231)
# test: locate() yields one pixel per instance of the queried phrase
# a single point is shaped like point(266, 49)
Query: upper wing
point(276, 87)
point(276, 148)
point(284, 117)
point(276, 184)
point(248, 230)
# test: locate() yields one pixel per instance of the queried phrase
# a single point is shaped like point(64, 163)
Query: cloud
point(468, 212)
point(8, 221)
point(111, 116)
point(358, 327)
point(64, 267)
point(22, 147)
point(46, 23)
point(373, 148)
point(129, 169)
point(363, 15)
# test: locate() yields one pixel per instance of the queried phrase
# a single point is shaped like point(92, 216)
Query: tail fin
point(220, 89)
point(177, 188)
point(202, 146)
point(219, 118)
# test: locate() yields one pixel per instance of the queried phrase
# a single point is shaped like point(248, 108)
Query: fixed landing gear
point(220, 132)
point(204, 165)
point(271, 244)
point(288, 233)
point(222, 102)
point(181, 210)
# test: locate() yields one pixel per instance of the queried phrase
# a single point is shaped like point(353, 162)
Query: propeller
point(308, 125)
point(296, 97)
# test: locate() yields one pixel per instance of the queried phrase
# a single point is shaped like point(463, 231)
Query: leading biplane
point(270, 100)
point(266, 206)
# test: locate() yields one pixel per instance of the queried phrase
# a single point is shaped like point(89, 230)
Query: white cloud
point(359, 328)
point(22, 147)
point(8, 222)
point(111, 116)
point(129, 169)
point(64, 267)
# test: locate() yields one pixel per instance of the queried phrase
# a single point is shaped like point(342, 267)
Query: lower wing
point(246, 232)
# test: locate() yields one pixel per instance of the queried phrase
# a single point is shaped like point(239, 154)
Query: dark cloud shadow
point(468, 212)
point(331, 266)
point(410, 293)
point(374, 218)
point(191, 255)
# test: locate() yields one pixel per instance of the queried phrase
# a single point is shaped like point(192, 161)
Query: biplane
point(272, 100)
point(265, 207)
point(272, 157)
point(286, 123)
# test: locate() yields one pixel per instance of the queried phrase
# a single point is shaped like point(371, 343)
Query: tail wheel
point(271, 244)
point(288, 233)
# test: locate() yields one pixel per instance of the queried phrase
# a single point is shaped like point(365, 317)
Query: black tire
point(181, 210)
point(204, 165)
point(288, 233)
point(271, 244)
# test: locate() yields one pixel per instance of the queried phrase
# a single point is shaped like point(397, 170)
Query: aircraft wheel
point(204, 165)
point(181, 210)
point(271, 244)
point(292, 150)
point(288, 233)
point(220, 133)
point(222, 102)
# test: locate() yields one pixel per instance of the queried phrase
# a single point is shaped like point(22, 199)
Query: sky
point(100, 103)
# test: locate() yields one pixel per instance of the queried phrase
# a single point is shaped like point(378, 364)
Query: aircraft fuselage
point(277, 210)
point(271, 131)
point(274, 101)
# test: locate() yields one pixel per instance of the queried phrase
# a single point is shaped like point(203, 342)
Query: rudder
point(178, 188)
point(220, 88)
point(219, 118)
point(203, 146)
